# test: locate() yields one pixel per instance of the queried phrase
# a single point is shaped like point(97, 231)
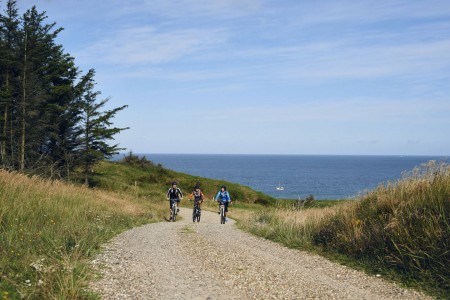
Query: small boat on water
point(279, 187)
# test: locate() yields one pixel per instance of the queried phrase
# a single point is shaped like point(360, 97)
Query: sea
point(324, 176)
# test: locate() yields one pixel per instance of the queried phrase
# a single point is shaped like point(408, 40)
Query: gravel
point(208, 260)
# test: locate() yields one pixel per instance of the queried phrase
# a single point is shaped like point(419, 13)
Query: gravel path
point(208, 260)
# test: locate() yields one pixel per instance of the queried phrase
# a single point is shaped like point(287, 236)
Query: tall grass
point(49, 229)
point(401, 228)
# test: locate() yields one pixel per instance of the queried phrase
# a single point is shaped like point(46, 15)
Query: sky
point(267, 77)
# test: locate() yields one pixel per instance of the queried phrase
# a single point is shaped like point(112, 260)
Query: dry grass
point(49, 229)
point(401, 228)
point(293, 228)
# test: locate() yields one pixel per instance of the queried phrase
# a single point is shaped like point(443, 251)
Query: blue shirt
point(223, 196)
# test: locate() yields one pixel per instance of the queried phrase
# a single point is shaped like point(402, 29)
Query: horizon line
point(283, 154)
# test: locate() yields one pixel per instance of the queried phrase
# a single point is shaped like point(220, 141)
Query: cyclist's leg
point(226, 209)
point(178, 205)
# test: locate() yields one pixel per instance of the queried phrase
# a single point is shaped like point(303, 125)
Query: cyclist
point(198, 196)
point(174, 194)
point(224, 197)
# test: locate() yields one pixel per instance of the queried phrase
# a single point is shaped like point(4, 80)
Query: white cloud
point(349, 11)
point(347, 61)
point(362, 111)
point(148, 45)
point(180, 9)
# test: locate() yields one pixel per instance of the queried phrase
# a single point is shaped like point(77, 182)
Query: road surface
point(208, 260)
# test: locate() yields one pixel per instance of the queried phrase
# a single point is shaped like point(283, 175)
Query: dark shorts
point(197, 203)
point(226, 205)
point(173, 200)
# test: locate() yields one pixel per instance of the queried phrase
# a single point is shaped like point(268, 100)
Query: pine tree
point(50, 122)
point(96, 127)
point(38, 51)
point(9, 50)
point(62, 114)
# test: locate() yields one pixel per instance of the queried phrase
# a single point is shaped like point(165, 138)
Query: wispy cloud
point(348, 11)
point(273, 66)
point(182, 9)
point(255, 41)
point(345, 61)
point(148, 45)
point(357, 111)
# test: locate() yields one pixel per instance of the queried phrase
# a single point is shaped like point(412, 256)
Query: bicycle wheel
point(194, 217)
point(222, 216)
point(198, 217)
point(174, 213)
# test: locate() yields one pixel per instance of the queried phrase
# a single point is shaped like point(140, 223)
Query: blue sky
point(269, 77)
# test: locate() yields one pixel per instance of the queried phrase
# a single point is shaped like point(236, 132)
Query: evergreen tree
point(95, 128)
point(9, 59)
point(50, 122)
point(39, 53)
point(62, 113)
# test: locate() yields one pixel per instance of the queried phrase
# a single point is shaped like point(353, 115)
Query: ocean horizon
point(293, 176)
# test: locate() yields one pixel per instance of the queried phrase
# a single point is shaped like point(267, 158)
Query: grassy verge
point(49, 230)
point(400, 229)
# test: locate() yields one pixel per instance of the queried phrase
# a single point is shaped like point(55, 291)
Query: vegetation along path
point(208, 260)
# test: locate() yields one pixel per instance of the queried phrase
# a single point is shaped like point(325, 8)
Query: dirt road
point(208, 260)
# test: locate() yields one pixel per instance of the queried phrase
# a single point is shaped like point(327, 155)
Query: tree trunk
point(24, 95)
point(11, 141)
point(5, 126)
point(86, 149)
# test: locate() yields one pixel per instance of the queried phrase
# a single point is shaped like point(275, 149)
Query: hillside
point(142, 178)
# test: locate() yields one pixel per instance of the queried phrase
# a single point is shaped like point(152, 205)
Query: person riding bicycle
point(224, 197)
point(198, 196)
point(174, 194)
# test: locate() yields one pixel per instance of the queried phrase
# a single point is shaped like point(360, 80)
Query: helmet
point(174, 183)
point(223, 187)
point(196, 187)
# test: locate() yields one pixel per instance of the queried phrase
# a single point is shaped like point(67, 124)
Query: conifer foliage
point(50, 118)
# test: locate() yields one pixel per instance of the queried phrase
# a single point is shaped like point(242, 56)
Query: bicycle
point(222, 212)
point(196, 212)
point(173, 210)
